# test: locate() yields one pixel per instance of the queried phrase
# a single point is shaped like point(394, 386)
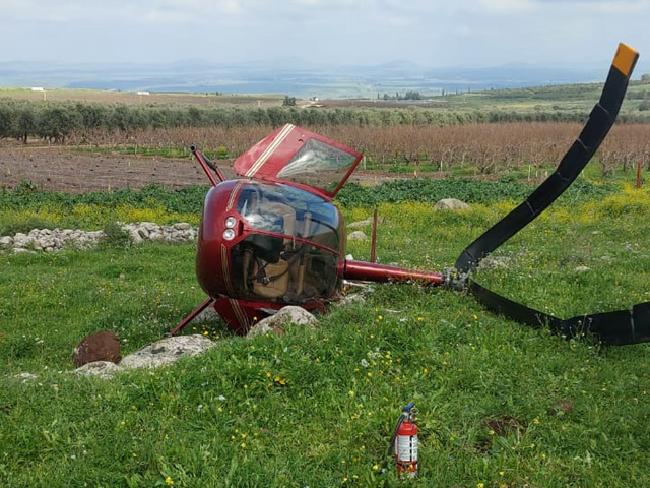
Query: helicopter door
point(298, 157)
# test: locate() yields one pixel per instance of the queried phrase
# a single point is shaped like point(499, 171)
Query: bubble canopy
point(285, 244)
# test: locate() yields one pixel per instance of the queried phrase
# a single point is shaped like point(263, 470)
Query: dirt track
point(64, 169)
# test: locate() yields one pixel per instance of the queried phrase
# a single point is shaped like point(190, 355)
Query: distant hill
point(291, 78)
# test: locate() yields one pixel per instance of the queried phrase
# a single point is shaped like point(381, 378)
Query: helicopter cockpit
point(292, 245)
point(274, 236)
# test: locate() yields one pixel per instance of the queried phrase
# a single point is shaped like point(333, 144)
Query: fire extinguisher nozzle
point(408, 407)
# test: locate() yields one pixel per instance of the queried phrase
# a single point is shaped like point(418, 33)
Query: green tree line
point(55, 121)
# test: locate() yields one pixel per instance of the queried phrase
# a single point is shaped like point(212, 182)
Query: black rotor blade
point(616, 328)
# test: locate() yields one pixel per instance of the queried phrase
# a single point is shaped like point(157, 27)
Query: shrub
point(116, 236)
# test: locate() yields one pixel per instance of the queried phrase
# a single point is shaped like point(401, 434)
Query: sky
point(433, 33)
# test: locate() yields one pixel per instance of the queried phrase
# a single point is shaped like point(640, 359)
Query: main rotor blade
point(615, 328)
point(600, 120)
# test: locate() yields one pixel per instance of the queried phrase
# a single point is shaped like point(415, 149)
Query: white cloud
point(471, 32)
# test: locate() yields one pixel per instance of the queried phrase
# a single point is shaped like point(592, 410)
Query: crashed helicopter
point(274, 238)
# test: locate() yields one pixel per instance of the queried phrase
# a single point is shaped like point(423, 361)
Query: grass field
point(500, 404)
point(132, 98)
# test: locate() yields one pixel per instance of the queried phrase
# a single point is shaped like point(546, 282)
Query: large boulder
point(286, 315)
point(167, 351)
point(99, 346)
point(451, 204)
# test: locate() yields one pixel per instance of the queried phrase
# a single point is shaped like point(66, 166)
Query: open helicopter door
point(298, 157)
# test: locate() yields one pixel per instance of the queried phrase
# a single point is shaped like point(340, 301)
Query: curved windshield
point(289, 211)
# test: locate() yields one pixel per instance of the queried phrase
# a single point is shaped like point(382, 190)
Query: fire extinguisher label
point(407, 448)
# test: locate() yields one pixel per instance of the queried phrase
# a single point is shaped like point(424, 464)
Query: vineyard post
point(373, 242)
point(638, 174)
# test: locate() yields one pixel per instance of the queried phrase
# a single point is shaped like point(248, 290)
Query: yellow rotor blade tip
point(625, 59)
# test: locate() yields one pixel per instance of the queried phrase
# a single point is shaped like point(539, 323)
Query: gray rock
point(135, 236)
point(26, 377)
point(357, 235)
point(360, 225)
point(351, 298)
point(286, 315)
point(46, 241)
point(167, 351)
point(451, 204)
point(208, 315)
point(149, 227)
point(6, 241)
point(182, 226)
point(22, 240)
point(100, 369)
point(582, 268)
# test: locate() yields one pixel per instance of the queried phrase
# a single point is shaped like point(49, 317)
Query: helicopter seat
point(278, 283)
point(277, 273)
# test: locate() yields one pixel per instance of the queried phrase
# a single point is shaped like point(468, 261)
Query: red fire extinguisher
point(404, 444)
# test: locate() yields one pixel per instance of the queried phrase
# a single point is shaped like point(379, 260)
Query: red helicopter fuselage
point(274, 238)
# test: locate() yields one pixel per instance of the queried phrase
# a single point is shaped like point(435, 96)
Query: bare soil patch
point(64, 169)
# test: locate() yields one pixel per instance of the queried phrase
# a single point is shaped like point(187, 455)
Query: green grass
point(176, 152)
point(329, 424)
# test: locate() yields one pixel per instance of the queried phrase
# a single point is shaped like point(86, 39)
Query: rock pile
point(49, 240)
point(143, 231)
